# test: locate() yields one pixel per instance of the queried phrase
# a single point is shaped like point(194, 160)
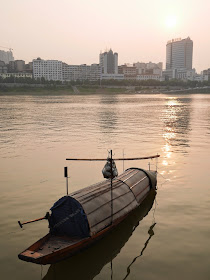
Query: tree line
point(136, 83)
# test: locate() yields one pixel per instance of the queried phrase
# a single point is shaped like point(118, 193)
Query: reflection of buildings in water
point(89, 263)
point(109, 99)
point(107, 113)
point(108, 120)
point(176, 118)
point(208, 132)
point(201, 117)
point(207, 119)
point(12, 114)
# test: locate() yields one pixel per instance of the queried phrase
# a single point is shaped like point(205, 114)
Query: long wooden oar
point(36, 220)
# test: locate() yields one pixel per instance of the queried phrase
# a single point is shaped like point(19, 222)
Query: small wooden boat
point(105, 250)
point(80, 219)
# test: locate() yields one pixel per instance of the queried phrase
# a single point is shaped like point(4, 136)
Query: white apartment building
point(16, 75)
point(81, 72)
point(49, 69)
point(109, 62)
point(193, 76)
point(146, 77)
point(179, 53)
point(94, 73)
point(201, 78)
point(184, 75)
point(6, 56)
point(73, 72)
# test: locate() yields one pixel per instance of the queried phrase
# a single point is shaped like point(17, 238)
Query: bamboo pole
point(104, 159)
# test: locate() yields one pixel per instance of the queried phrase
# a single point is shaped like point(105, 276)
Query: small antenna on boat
point(66, 175)
point(111, 188)
point(156, 162)
point(123, 161)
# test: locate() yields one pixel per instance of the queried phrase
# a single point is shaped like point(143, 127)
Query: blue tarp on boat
point(68, 218)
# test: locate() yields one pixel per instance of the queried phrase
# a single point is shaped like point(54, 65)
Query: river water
point(37, 134)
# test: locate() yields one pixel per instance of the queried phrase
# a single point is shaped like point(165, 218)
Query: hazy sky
point(76, 31)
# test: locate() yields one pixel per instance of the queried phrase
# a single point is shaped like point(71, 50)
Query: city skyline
point(179, 57)
point(75, 32)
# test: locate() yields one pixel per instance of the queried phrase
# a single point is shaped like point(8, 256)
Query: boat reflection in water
point(89, 263)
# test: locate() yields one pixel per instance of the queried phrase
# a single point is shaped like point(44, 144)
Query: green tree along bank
point(86, 85)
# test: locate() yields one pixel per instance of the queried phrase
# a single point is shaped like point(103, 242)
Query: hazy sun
point(171, 21)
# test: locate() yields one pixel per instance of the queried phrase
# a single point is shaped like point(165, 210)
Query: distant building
point(29, 67)
point(112, 76)
point(94, 73)
point(19, 65)
point(179, 53)
point(206, 73)
point(81, 72)
point(169, 74)
point(146, 77)
point(6, 56)
point(152, 65)
point(16, 75)
point(179, 57)
point(73, 72)
point(149, 68)
point(109, 62)
point(130, 72)
point(200, 78)
point(11, 67)
point(3, 67)
point(48, 69)
point(184, 75)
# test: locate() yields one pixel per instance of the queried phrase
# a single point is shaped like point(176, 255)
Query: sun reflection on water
point(172, 114)
point(172, 101)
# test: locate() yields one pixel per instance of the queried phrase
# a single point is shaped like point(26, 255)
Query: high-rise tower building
point(6, 56)
point(109, 62)
point(179, 54)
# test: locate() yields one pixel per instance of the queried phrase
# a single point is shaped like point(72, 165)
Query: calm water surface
point(37, 134)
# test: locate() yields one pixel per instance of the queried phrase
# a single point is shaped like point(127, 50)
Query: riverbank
point(61, 90)
point(34, 90)
point(86, 90)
